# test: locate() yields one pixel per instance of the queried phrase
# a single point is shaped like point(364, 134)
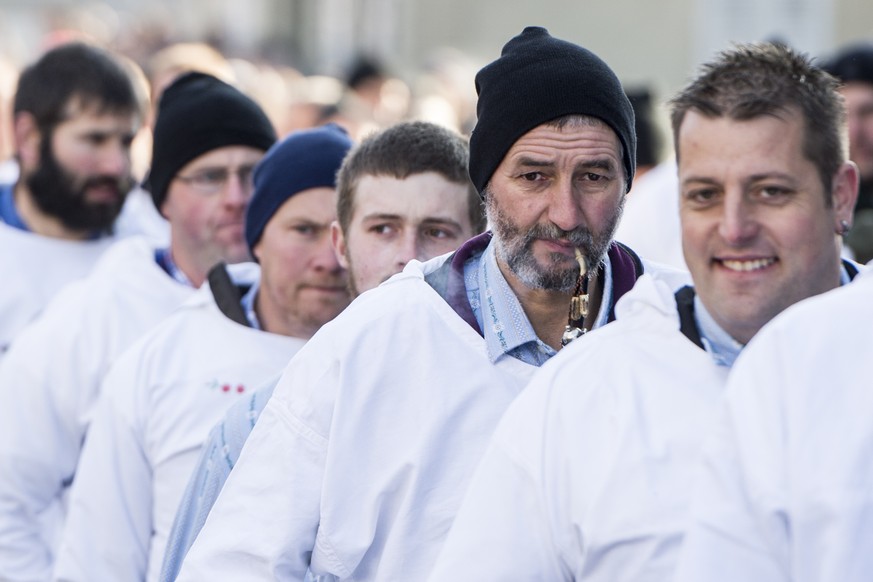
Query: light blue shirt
point(723, 348)
point(504, 324)
point(718, 343)
point(248, 305)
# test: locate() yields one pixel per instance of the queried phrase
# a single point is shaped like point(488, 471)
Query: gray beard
point(514, 248)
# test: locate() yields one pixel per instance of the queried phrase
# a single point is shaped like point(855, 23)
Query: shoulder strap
point(851, 268)
point(687, 323)
point(626, 269)
point(227, 295)
point(638, 263)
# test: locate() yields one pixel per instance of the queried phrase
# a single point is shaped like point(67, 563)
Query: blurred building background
point(645, 40)
point(430, 48)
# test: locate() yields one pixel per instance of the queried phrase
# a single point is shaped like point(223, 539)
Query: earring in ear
point(844, 228)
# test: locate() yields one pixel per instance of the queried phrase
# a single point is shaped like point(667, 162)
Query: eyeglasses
point(214, 180)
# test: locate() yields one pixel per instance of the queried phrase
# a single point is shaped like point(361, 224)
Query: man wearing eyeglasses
point(164, 394)
point(208, 136)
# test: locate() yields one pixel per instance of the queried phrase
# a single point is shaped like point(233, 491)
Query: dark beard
point(513, 247)
point(54, 191)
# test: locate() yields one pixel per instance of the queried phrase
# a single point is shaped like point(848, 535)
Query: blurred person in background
point(75, 114)
point(650, 223)
point(208, 138)
point(8, 82)
point(162, 396)
point(854, 67)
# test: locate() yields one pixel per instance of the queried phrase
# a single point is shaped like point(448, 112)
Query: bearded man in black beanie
point(359, 462)
point(208, 138)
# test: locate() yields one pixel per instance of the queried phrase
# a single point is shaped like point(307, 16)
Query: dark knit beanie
point(854, 63)
point(539, 78)
point(305, 159)
point(198, 114)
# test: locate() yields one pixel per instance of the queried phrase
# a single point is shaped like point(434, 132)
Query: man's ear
point(339, 244)
point(844, 192)
point(27, 139)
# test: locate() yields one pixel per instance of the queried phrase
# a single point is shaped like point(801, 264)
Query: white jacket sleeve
point(786, 491)
point(541, 503)
point(740, 526)
point(501, 532)
point(46, 384)
point(264, 524)
point(108, 528)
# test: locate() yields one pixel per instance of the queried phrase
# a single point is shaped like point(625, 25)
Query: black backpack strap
point(851, 268)
point(687, 323)
point(227, 295)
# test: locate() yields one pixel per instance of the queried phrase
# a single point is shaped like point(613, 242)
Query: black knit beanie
point(853, 63)
point(197, 114)
point(304, 159)
point(539, 78)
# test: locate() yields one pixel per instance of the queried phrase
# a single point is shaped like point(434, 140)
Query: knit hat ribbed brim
point(198, 113)
point(303, 160)
point(539, 78)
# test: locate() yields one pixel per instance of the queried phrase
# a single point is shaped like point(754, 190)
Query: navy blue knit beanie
point(198, 114)
point(853, 63)
point(305, 159)
point(539, 78)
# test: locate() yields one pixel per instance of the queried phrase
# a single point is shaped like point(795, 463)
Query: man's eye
point(701, 196)
point(381, 228)
point(96, 139)
point(213, 176)
point(438, 233)
point(532, 176)
point(772, 192)
point(245, 174)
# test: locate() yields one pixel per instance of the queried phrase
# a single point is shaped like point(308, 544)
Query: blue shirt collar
point(248, 305)
point(8, 213)
point(165, 261)
point(718, 343)
point(723, 348)
point(505, 327)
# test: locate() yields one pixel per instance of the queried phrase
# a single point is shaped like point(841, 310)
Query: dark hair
point(648, 136)
point(758, 79)
point(74, 71)
point(403, 150)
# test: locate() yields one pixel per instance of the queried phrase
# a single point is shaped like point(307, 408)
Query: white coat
point(160, 400)
point(786, 487)
point(33, 268)
point(362, 456)
point(588, 475)
point(49, 381)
